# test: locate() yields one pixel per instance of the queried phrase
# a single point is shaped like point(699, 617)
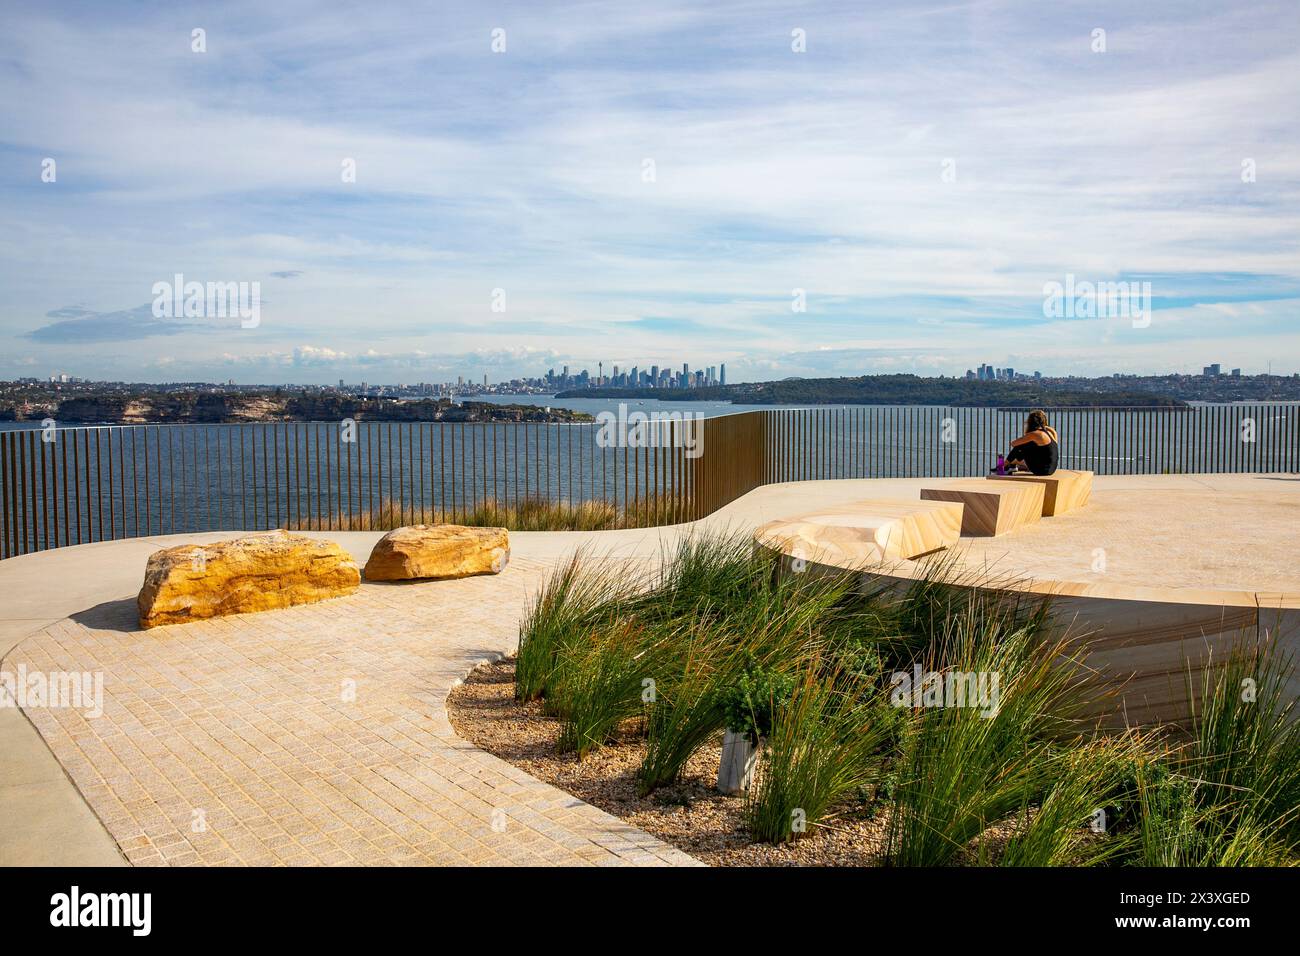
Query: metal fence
point(932, 441)
point(71, 486)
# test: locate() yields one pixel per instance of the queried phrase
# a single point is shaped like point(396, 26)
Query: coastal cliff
point(212, 409)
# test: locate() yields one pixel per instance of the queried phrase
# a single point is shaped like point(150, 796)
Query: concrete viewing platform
point(318, 734)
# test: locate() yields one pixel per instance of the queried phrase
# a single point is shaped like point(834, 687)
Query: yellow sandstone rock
point(438, 551)
point(257, 572)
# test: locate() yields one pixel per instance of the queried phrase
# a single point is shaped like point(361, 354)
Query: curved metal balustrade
point(66, 486)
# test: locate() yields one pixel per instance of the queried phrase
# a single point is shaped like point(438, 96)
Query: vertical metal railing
point(82, 484)
point(934, 441)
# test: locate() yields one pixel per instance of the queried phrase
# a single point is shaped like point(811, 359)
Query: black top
point(1041, 459)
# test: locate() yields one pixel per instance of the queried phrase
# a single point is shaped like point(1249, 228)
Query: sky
point(790, 188)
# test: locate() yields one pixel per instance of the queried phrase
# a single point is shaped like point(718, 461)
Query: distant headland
point(150, 407)
point(1170, 391)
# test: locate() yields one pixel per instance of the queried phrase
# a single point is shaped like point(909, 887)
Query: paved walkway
point(315, 734)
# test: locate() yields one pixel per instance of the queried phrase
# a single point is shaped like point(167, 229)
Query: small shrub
point(749, 704)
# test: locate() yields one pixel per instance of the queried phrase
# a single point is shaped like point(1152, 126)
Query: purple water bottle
point(1002, 465)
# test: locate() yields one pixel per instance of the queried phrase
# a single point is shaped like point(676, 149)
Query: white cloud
point(774, 170)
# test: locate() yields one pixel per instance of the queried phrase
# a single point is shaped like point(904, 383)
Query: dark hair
point(1036, 421)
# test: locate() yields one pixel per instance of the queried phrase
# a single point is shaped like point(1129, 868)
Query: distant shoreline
point(269, 408)
point(900, 390)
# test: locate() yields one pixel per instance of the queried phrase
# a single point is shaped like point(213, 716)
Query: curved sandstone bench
point(1063, 491)
point(991, 509)
point(1144, 649)
point(867, 532)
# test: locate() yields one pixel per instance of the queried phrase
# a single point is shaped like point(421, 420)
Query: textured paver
point(237, 740)
point(311, 736)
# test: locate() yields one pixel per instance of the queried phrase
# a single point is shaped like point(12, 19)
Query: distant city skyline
point(895, 194)
point(666, 377)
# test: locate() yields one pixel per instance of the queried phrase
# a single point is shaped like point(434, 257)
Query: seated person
point(1038, 450)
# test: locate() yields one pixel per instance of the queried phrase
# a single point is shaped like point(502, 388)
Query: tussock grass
point(528, 514)
point(1016, 782)
point(825, 744)
point(602, 686)
point(578, 600)
point(532, 513)
point(1229, 795)
point(961, 769)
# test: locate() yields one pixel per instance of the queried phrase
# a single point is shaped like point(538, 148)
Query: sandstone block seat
point(866, 532)
point(991, 508)
point(255, 572)
point(438, 551)
point(1063, 490)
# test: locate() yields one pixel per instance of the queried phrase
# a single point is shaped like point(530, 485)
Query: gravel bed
point(690, 815)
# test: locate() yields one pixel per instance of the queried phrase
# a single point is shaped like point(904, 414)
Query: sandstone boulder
point(257, 572)
point(438, 551)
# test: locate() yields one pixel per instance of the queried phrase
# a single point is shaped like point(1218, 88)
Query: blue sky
point(524, 171)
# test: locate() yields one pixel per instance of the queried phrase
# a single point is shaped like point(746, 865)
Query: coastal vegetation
point(276, 406)
point(896, 390)
point(527, 514)
point(722, 637)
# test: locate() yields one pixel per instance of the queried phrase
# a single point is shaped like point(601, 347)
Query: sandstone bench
point(991, 508)
point(866, 532)
point(1063, 490)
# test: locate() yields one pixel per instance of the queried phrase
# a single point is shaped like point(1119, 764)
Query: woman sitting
point(1038, 450)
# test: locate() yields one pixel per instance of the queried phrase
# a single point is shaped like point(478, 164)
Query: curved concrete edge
point(1145, 648)
point(59, 828)
point(987, 576)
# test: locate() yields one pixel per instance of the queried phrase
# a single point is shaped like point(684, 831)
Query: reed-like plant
point(1230, 794)
point(604, 684)
point(531, 513)
point(581, 598)
point(964, 768)
point(824, 744)
point(1017, 782)
point(540, 514)
point(1069, 825)
point(723, 605)
point(687, 710)
point(1246, 732)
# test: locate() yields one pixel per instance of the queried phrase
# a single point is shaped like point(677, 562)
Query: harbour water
point(109, 481)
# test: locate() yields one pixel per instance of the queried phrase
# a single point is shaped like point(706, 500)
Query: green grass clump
point(1068, 824)
point(1230, 794)
point(527, 514)
point(963, 768)
point(577, 601)
point(722, 635)
point(824, 744)
point(603, 686)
